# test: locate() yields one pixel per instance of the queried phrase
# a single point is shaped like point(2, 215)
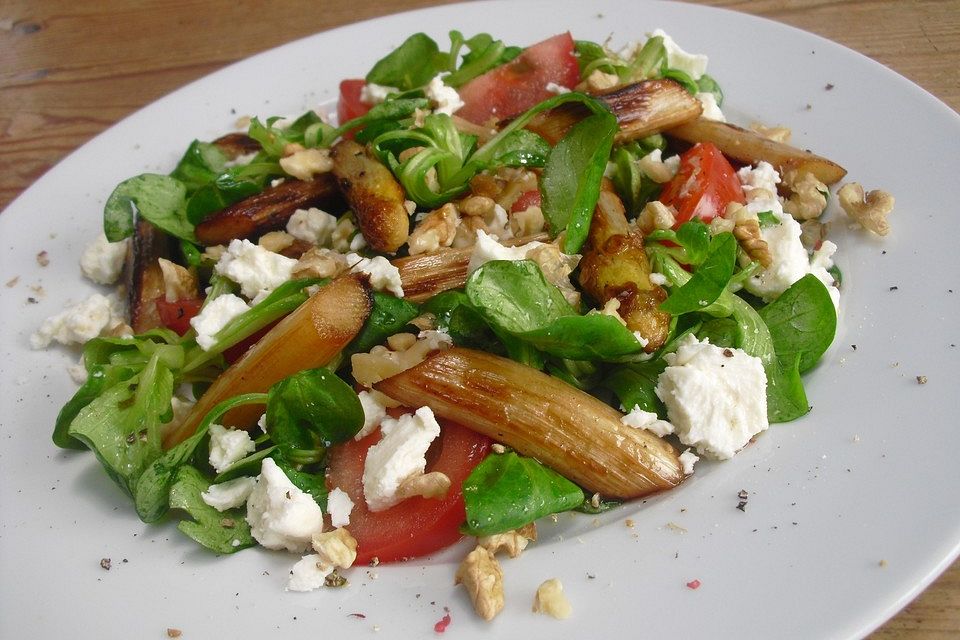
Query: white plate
point(868, 478)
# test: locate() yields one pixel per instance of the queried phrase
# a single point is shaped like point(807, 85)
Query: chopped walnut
point(214, 253)
point(656, 215)
point(428, 485)
point(178, 282)
point(401, 341)
point(557, 267)
point(467, 231)
point(320, 263)
point(747, 233)
point(481, 206)
point(719, 225)
point(808, 196)
point(870, 210)
point(437, 229)
point(513, 542)
point(306, 163)
point(276, 241)
point(812, 233)
point(482, 576)
point(551, 600)
point(342, 234)
point(381, 363)
point(336, 548)
point(527, 222)
point(777, 134)
point(516, 182)
point(599, 81)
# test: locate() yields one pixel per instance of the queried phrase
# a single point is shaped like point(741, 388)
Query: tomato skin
point(514, 87)
point(704, 185)
point(526, 200)
point(416, 526)
point(176, 315)
point(349, 105)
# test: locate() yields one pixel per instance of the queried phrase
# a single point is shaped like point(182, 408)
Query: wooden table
point(69, 70)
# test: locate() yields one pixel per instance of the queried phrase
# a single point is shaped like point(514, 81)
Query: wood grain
point(69, 70)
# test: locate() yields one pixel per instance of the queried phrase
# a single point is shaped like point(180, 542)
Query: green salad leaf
point(802, 322)
point(159, 199)
point(226, 532)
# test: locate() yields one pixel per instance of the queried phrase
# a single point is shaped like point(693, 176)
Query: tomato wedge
point(416, 526)
point(349, 106)
point(704, 185)
point(176, 315)
point(514, 87)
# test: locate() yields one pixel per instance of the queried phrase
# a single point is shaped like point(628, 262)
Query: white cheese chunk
point(383, 275)
point(657, 169)
point(308, 574)
point(230, 494)
point(444, 99)
point(693, 64)
point(257, 270)
point(687, 459)
point(400, 454)
point(228, 445)
point(312, 225)
point(373, 94)
point(281, 516)
point(214, 316)
point(715, 397)
point(711, 110)
point(339, 506)
point(374, 411)
point(102, 260)
point(487, 249)
point(80, 322)
point(640, 419)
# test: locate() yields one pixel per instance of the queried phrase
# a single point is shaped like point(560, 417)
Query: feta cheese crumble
point(281, 516)
point(257, 270)
point(102, 260)
point(309, 573)
point(657, 169)
point(373, 94)
point(312, 225)
point(400, 454)
point(80, 322)
point(487, 249)
point(339, 506)
point(228, 445)
point(693, 64)
point(214, 316)
point(383, 275)
point(445, 99)
point(715, 397)
point(711, 110)
point(687, 459)
point(374, 411)
point(640, 419)
point(230, 494)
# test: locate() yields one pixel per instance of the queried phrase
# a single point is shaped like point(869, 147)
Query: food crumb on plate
point(694, 584)
point(174, 633)
point(921, 379)
point(105, 564)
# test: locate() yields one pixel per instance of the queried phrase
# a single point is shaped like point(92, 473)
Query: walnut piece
point(870, 210)
point(481, 575)
point(303, 164)
point(437, 229)
point(599, 81)
point(178, 282)
point(276, 241)
point(513, 542)
point(557, 267)
point(747, 233)
point(320, 263)
point(551, 600)
point(381, 363)
point(656, 215)
point(807, 198)
point(435, 484)
point(528, 222)
point(336, 548)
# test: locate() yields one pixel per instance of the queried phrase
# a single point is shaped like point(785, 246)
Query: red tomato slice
point(512, 88)
point(703, 187)
point(526, 200)
point(416, 526)
point(349, 106)
point(176, 315)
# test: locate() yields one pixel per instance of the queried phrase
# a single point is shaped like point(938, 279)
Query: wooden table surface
point(69, 70)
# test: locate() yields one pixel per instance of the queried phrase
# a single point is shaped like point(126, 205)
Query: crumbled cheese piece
point(357, 242)
point(551, 600)
point(487, 249)
point(694, 65)
point(312, 225)
point(658, 278)
point(445, 99)
point(214, 316)
point(383, 275)
point(339, 506)
point(81, 322)
point(303, 164)
point(640, 419)
point(230, 494)
point(555, 265)
point(102, 260)
point(687, 459)
point(262, 422)
point(228, 445)
point(181, 408)
point(256, 270)
point(340, 239)
point(308, 573)
point(658, 169)
point(711, 110)
point(553, 87)
point(281, 516)
point(715, 397)
point(789, 259)
point(401, 453)
point(374, 411)
point(78, 372)
point(373, 94)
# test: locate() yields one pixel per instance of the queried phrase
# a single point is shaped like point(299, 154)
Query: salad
point(503, 283)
